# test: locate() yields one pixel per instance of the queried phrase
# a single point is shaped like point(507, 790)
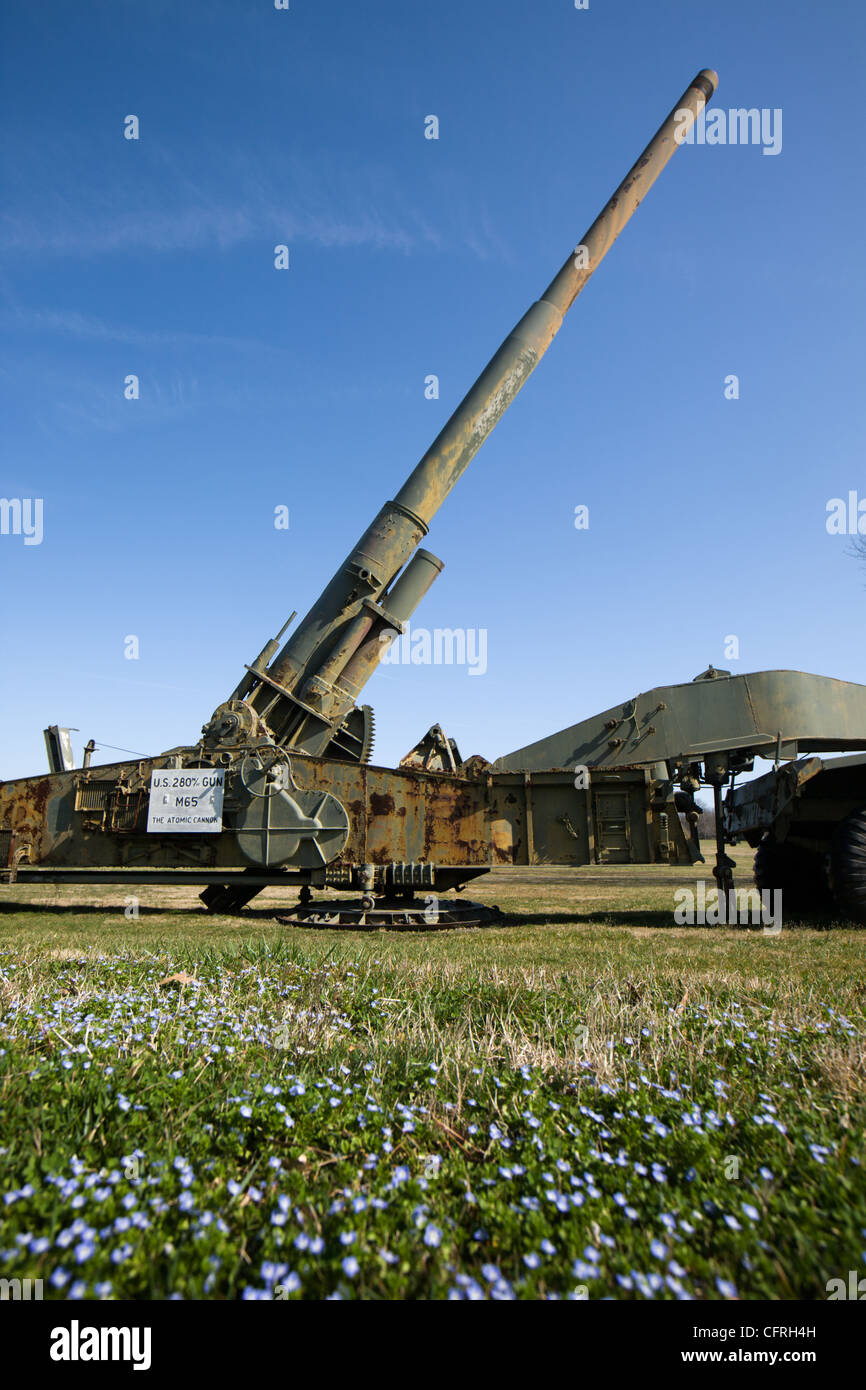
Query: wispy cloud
point(192, 228)
point(158, 204)
point(84, 328)
point(101, 201)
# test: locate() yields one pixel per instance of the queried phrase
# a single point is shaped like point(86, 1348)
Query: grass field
point(586, 1101)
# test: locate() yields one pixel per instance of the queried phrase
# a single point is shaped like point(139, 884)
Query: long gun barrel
point(306, 696)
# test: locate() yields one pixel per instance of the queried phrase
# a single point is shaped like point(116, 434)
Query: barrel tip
point(708, 80)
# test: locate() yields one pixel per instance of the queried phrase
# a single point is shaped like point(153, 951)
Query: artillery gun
point(279, 789)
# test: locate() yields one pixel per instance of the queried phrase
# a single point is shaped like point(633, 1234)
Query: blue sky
point(305, 388)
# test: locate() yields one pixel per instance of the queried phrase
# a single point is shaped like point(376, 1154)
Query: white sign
point(186, 799)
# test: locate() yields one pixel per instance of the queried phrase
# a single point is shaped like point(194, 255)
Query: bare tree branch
point(857, 549)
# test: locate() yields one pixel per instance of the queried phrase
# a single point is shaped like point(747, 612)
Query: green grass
point(584, 1101)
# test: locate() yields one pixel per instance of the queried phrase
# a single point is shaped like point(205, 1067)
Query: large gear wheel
point(353, 740)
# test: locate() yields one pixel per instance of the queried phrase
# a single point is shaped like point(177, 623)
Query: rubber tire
point(847, 867)
point(798, 872)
